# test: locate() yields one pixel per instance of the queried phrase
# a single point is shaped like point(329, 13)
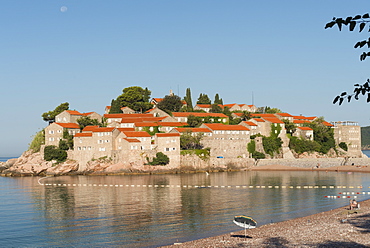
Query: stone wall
point(303, 162)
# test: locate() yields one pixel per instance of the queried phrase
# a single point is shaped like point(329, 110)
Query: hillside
point(365, 137)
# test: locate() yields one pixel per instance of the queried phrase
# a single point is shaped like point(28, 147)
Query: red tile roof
point(300, 121)
point(167, 134)
point(197, 114)
point(103, 129)
point(145, 124)
point(258, 120)
point(250, 123)
point(89, 128)
point(127, 115)
point(263, 115)
point(217, 126)
point(136, 134)
point(83, 135)
point(327, 124)
point(73, 112)
point(305, 128)
point(193, 130)
point(204, 105)
point(284, 114)
point(132, 140)
point(68, 125)
point(172, 124)
point(87, 114)
point(273, 120)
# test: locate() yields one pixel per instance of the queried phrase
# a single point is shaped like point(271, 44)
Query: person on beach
point(353, 204)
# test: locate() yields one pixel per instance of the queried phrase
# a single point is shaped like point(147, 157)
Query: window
point(51, 139)
point(89, 148)
point(167, 149)
point(51, 131)
point(102, 149)
point(79, 148)
point(133, 147)
point(59, 131)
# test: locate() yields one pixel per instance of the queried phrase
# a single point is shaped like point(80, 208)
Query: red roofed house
point(304, 133)
point(192, 131)
point(71, 116)
point(285, 116)
point(54, 132)
point(227, 141)
point(253, 127)
point(156, 112)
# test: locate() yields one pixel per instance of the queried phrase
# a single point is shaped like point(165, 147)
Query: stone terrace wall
point(303, 162)
point(358, 161)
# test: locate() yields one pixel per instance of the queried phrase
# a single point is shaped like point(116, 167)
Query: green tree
point(170, 103)
point(54, 153)
point(289, 126)
point(37, 141)
point(203, 99)
point(50, 115)
point(218, 100)
point(193, 121)
point(215, 108)
point(135, 98)
point(160, 159)
point(272, 144)
point(352, 21)
point(68, 138)
point(246, 115)
point(343, 145)
point(322, 134)
point(188, 141)
point(188, 100)
point(300, 145)
point(115, 107)
point(87, 121)
point(269, 110)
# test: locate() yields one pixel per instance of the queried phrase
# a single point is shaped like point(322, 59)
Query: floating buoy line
point(206, 186)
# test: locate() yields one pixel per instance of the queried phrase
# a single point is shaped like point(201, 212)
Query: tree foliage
point(115, 107)
point(343, 145)
point(203, 99)
point(218, 100)
point(54, 153)
point(170, 103)
point(272, 144)
point(188, 100)
point(360, 21)
point(37, 141)
point(269, 110)
point(300, 145)
point(322, 134)
point(190, 142)
point(216, 108)
point(87, 121)
point(193, 121)
point(135, 98)
point(50, 115)
point(160, 159)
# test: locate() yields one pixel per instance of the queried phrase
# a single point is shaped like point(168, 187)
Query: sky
point(86, 51)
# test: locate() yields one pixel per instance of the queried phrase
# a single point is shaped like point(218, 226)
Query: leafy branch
point(359, 90)
point(352, 22)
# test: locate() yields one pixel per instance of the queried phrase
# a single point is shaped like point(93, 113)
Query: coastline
point(335, 228)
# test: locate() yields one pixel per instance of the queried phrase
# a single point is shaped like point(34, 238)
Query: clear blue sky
point(86, 53)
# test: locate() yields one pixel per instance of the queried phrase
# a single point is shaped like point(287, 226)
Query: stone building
point(169, 144)
point(350, 133)
point(54, 132)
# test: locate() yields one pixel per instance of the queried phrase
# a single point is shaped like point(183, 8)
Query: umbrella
point(245, 222)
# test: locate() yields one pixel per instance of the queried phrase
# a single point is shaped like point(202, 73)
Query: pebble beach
point(339, 227)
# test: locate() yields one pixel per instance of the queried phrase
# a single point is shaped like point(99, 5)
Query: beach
point(335, 228)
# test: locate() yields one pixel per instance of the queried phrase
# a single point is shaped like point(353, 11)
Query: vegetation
point(135, 98)
point(115, 107)
point(201, 153)
point(188, 100)
point(272, 144)
point(194, 121)
point(343, 145)
point(251, 147)
point(37, 141)
point(87, 121)
point(323, 135)
point(170, 103)
point(218, 100)
point(215, 108)
point(54, 153)
point(361, 21)
point(189, 141)
point(203, 99)
point(159, 159)
point(50, 115)
point(68, 138)
point(300, 145)
point(365, 136)
point(269, 110)
point(289, 126)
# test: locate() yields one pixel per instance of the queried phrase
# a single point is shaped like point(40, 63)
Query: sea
point(157, 210)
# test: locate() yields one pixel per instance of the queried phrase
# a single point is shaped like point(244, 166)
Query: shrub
point(54, 153)
point(38, 140)
point(343, 145)
point(160, 159)
point(272, 144)
point(301, 145)
point(258, 155)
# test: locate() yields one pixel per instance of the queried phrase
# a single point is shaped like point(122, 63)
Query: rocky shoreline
point(335, 228)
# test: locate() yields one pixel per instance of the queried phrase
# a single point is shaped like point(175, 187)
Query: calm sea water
point(154, 210)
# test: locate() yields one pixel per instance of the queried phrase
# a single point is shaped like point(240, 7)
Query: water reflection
point(152, 210)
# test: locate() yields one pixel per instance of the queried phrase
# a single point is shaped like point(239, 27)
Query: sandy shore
point(343, 168)
point(336, 228)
